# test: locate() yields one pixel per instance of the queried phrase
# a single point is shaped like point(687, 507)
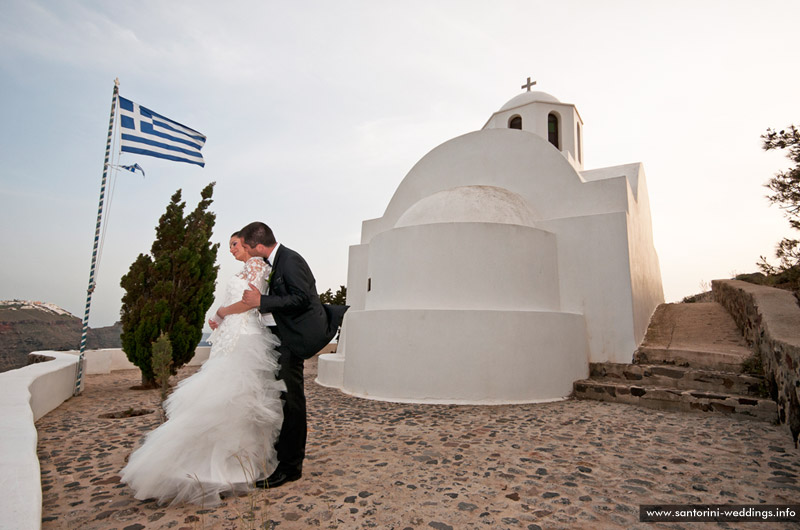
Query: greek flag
point(148, 133)
point(132, 168)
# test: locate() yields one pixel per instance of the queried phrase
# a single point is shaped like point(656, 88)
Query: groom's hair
point(257, 234)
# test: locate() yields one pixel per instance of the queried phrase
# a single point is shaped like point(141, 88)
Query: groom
point(304, 327)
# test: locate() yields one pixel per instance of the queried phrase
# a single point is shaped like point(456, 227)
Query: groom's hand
point(252, 297)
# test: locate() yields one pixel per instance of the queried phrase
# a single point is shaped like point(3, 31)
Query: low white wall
point(112, 359)
point(330, 370)
point(27, 394)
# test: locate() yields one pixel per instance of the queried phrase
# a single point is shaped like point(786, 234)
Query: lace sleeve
point(256, 272)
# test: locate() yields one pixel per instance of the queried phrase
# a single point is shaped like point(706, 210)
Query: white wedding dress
point(223, 421)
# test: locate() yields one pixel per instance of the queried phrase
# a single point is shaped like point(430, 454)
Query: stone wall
point(770, 321)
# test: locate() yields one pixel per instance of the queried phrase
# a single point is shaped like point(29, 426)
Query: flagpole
point(90, 289)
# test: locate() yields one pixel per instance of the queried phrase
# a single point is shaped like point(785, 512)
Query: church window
point(579, 143)
point(515, 122)
point(552, 129)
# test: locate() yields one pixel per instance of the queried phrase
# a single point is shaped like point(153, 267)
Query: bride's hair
point(257, 233)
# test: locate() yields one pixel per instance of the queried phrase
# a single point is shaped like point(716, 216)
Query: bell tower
point(544, 115)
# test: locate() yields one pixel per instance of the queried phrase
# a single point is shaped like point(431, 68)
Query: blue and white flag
point(145, 132)
point(133, 168)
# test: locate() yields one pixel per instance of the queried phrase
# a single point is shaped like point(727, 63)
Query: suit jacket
point(305, 325)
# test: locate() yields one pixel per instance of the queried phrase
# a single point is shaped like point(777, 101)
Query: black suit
point(304, 327)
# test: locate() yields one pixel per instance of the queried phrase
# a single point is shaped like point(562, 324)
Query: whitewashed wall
point(27, 394)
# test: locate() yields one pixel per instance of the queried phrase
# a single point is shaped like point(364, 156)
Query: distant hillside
point(30, 326)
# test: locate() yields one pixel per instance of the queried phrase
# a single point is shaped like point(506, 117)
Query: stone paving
point(371, 464)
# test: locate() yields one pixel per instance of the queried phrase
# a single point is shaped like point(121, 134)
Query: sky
point(315, 111)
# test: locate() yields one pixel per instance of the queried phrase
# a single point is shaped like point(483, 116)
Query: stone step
point(701, 335)
point(680, 377)
point(690, 360)
point(674, 399)
point(709, 360)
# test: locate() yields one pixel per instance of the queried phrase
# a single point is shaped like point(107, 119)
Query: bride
point(223, 421)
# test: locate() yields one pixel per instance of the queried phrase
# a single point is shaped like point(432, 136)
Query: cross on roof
point(529, 84)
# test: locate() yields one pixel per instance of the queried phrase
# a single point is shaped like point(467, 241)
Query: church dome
point(470, 204)
point(528, 97)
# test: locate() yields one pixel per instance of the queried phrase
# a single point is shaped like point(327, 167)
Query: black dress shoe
point(276, 479)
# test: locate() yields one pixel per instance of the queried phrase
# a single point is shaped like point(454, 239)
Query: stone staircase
point(690, 360)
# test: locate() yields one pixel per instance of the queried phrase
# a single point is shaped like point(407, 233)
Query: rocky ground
point(571, 464)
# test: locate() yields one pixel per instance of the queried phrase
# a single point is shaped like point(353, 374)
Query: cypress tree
point(170, 290)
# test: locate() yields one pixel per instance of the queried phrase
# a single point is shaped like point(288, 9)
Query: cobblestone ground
point(370, 464)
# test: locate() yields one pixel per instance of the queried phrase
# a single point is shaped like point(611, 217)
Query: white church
point(500, 269)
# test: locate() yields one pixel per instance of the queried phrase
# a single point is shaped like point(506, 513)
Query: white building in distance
point(499, 269)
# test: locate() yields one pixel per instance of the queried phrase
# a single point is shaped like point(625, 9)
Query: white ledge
point(27, 394)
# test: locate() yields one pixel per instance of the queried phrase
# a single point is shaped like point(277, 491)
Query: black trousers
point(291, 445)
